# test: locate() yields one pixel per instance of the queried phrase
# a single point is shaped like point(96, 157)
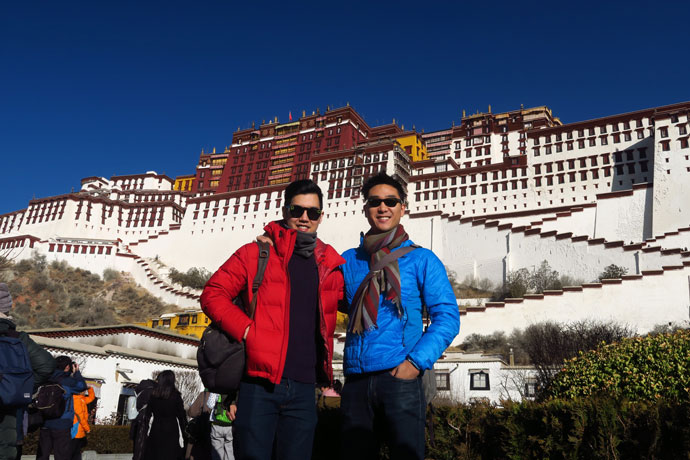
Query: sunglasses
point(297, 211)
point(390, 202)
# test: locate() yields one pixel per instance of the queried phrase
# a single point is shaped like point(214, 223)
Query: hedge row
point(104, 439)
point(559, 429)
point(580, 429)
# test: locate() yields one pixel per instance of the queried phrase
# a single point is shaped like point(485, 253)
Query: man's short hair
point(303, 187)
point(383, 179)
point(62, 362)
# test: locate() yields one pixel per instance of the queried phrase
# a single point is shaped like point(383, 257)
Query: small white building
point(466, 377)
point(114, 359)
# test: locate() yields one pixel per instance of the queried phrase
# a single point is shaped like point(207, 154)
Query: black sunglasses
point(297, 211)
point(390, 202)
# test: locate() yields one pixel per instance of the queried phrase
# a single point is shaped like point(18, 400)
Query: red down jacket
point(267, 341)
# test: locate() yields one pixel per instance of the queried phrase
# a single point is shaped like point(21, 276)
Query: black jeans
point(280, 417)
point(77, 445)
point(57, 442)
point(379, 407)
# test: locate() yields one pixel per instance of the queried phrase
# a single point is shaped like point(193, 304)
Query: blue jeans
point(379, 407)
point(280, 417)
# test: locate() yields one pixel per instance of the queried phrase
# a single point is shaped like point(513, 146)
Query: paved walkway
point(90, 455)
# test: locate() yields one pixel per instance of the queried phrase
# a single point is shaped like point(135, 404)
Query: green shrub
point(517, 283)
point(195, 278)
point(104, 439)
point(540, 279)
point(638, 369)
point(110, 274)
point(586, 428)
point(612, 272)
point(583, 428)
point(543, 278)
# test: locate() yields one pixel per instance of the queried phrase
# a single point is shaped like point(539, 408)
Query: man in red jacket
point(289, 342)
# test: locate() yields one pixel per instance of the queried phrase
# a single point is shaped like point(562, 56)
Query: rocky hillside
point(58, 295)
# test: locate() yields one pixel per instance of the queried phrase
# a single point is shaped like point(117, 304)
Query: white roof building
point(114, 359)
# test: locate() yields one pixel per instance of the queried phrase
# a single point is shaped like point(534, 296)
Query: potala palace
point(496, 193)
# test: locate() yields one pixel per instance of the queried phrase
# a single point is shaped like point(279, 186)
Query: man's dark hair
point(62, 362)
point(302, 187)
point(383, 179)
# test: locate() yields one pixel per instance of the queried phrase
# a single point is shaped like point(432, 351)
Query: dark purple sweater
point(300, 362)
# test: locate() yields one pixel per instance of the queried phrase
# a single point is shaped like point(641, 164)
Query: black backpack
point(16, 375)
point(221, 358)
point(50, 401)
point(143, 392)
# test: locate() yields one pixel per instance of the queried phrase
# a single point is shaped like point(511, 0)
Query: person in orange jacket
point(81, 421)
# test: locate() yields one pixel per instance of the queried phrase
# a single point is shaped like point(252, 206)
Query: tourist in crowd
point(330, 396)
point(81, 421)
point(42, 365)
point(167, 421)
point(213, 415)
point(289, 342)
point(138, 431)
point(55, 435)
point(223, 415)
point(386, 350)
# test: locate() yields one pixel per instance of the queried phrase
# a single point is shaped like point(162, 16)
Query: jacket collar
point(283, 238)
point(402, 245)
point(284, 243)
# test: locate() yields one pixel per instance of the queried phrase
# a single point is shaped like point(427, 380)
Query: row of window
point(591, 142)
point(593, 174)
point(593, 162)
point(79, 249)
point(682, 130)
point(590, 131)
point(429, 183)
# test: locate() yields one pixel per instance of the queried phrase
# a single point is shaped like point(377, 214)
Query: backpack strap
point(10, 333)
point(264, 252)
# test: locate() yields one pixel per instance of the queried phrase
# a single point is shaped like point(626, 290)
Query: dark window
point(479, 381)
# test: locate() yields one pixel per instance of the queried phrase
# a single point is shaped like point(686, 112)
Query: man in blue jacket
point(387, 349)
point(55, 436)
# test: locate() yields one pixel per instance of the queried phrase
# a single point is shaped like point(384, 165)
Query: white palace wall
point(641, 303)
point(671, 175)
point(578, 222)
point(627, 217)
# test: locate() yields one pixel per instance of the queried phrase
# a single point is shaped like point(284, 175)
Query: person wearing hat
point(42, 364)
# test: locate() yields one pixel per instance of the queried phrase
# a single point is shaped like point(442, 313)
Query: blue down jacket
point(423, 280)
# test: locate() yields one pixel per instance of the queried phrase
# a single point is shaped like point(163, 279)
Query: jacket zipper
point(286, 328)
point(322, 323)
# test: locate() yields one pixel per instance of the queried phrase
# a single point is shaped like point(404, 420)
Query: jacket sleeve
point(42, 362)
point(81, 412)
point(439, 298)
point(222, 287)
point(197, 407)
point(90, 397)
point(74, 384)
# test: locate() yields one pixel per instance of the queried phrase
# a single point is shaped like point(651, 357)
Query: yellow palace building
point(189, 322)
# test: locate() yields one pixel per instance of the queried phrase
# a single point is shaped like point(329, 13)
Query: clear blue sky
point(101, 88)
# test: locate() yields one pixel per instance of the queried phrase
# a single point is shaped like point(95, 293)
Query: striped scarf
point(365, 307)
